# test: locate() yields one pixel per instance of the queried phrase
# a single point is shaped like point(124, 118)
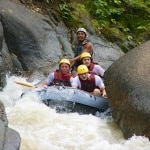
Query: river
point(41, 128)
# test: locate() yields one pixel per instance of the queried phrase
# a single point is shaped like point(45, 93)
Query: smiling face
point(86, 61)
point(64, 68)
point(83, 76)
point(81, 36)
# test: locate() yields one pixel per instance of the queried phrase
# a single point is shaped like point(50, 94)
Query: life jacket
point(89, 84)
point(60, 79)
point(91, 68)
point(79, 47)
point(78, 50)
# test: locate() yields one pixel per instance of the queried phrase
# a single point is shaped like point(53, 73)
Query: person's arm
point(49, 79)
point(103, 92)
point(99, 82)
point(99, 70)
point(87, 48)
point(74, 82)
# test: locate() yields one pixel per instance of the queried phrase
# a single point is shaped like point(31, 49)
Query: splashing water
point(41, 128)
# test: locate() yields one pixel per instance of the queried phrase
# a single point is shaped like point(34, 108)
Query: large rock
point(127, 84)
point(29, 35)
point(2, 65)
point(38, 42)
point(9, 138)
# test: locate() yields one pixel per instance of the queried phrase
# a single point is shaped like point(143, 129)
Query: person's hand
point(72, 61)
point(44, 86)
point(104, 94)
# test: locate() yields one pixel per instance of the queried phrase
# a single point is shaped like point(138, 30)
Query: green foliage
point(78, 11)
point(65, 10)
point(105, 11)
point(129, 16)
point(95, 23)
point(141, 28)
point(129, 37)
point(120, 20)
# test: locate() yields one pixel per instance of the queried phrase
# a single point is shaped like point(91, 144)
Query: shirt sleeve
point(71, 80)
point(99, 70)
point(50, 78)
point(76, 82)
point(99, 82)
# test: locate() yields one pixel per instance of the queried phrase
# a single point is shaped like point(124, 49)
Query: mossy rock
point(113, 34)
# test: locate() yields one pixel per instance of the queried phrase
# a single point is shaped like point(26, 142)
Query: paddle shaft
point(25, 84)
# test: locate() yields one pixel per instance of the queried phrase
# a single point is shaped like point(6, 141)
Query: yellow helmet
point(66, 61)
point(85, 54)
point(82, 69)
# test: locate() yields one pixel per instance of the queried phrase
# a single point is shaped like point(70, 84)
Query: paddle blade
point(24, 84)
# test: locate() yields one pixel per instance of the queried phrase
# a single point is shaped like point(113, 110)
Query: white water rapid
point(41, 128)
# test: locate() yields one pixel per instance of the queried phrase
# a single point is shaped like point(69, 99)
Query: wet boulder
point(127, 84)
point(2, 66)
point(9, 138)
point(37, 42)
point(32, 37)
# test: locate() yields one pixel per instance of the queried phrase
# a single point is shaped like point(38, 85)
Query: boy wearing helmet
point(82, 46)
point(86, 59)
point(60, 77)
point(88, 82)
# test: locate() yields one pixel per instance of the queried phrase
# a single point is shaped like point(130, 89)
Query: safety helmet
point(82, 69)
point(64, 61)
point(82, 30)
point(85, 54)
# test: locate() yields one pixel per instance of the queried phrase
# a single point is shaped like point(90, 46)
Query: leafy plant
point(141, 28)
point(105, 11)
point(129, 37)
point(131, 17)
point(65, 10)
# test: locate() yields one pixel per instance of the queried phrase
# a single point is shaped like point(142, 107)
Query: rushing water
point(41, 128)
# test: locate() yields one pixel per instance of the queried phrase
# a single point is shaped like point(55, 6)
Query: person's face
point(81, 36)
point(86, 61)
point(64, 68)
point(83, 76)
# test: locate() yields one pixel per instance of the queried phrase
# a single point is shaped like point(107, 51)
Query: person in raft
point(88, 82)
point(60, 77)
point(93, 67)
point(82, 45)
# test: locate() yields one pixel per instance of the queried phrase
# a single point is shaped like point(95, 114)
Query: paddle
point(25, 84)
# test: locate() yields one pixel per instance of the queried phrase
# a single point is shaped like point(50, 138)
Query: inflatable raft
point(67, 99)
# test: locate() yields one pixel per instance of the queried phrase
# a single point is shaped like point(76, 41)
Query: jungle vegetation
point(125, 22)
